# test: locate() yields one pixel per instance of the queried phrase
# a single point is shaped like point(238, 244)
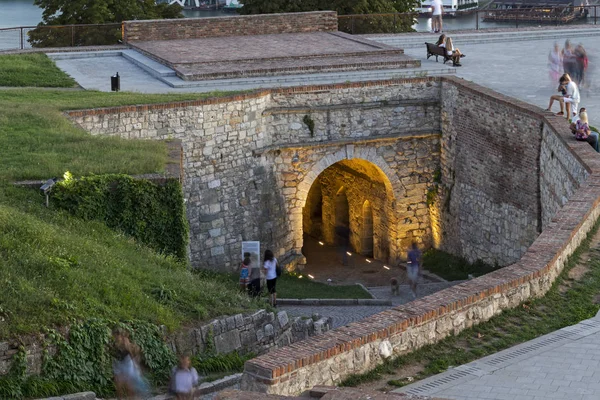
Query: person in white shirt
point(183, 379)
point(570, 97)
point(270, 267)
point(437, 7)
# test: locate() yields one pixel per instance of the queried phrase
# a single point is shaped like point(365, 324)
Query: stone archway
point(321, 207)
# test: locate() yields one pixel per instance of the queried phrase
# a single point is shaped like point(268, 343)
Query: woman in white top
point(453, 52)
point(270, 267)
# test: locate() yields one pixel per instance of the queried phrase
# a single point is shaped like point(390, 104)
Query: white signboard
point(254, 249)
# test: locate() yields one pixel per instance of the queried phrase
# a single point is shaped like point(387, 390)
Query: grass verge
point(571, 299)
point(289, 286)
point(453, 268)
point(38, 142)
point(34, 69)
point(56, 269)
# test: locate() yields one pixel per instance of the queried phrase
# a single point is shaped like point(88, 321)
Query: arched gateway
point(346, 192)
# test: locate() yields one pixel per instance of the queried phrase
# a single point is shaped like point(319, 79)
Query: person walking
point(183, 379)
point(413, 266)
point(270, 266)
point(437, 9)
point(555, 62)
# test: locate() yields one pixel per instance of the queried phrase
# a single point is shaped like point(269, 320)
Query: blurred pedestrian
point(183, 379)
point(555, 62)
point(270, 266)
point(568, 57)
point(129, 381)
point(581, 65)
point(413, 266)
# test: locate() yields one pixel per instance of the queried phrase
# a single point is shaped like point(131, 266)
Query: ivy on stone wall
point(153, 214)
point(84, 363)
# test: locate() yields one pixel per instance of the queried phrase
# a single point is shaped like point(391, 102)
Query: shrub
point(153, 214)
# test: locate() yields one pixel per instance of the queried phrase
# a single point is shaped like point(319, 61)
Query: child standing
point(245, 273)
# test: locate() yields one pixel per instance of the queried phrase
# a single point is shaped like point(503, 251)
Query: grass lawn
point(291, 287)
point(38, 142)
point(453, 268)
point(34, 69)
point(572, 298)
point(55, 268)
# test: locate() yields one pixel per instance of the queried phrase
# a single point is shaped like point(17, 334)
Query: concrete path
point(561, 365)
point(343, 315)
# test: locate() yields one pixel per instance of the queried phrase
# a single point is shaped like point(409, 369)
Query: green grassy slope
point(55, 268)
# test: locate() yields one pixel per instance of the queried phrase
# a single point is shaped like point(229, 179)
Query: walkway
point(518, 67)
point(512, 63)
point(343, 315)
point(561, 365)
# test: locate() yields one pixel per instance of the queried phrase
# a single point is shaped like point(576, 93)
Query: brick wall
point(263, 24)
point(489, 194)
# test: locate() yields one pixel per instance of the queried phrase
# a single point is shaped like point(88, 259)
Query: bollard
point(115, 83)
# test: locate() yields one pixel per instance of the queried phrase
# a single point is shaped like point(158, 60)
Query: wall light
point(348, 253)
point(310, 276)
point(299, 276)
point(369, 261)
point(321, 243)
point(386, 267)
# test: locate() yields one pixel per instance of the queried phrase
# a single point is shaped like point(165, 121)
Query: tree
point(75, 12)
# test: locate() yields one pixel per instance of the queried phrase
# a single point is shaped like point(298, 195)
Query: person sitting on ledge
point(569, 95)
point(581, 129)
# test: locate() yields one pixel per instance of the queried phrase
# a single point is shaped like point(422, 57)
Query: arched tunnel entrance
point(349, 208)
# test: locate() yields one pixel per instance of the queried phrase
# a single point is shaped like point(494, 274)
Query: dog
point(395, 287)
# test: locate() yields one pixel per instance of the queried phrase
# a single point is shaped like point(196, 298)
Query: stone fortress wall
point(195, 28)
point(506, 170)
point(243, 181)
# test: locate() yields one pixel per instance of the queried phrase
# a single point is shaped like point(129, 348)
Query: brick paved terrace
point(273, 54)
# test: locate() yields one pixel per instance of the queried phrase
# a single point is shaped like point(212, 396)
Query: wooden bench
point(437, 51)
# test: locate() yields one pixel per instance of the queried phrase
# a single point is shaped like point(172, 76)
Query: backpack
point(277, 270)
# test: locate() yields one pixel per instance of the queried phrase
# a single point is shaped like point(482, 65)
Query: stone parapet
point(262, 24)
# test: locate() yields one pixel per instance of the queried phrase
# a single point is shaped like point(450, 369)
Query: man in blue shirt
point(412, 268)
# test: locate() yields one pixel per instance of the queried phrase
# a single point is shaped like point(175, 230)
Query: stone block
point(228, 342)
point(260, 334)
point(80, 396)
point(239, 320)
point(283, 319)
point(269, 330)
point(231, 323)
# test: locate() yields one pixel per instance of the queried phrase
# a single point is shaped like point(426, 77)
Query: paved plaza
point(513, 65)
point(561, 365)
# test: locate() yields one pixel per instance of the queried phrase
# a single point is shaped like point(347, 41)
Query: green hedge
point(153, 214)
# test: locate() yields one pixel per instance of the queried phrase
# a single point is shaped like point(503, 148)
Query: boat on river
point(232, 6)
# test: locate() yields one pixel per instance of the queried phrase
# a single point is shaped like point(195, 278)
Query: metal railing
point(470, 19)
point(24, 37)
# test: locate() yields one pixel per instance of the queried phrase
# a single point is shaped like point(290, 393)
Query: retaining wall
point(257, 333)
point(360, 346)
point(243, 25)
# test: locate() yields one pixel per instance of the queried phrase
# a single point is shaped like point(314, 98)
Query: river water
point(15, 13)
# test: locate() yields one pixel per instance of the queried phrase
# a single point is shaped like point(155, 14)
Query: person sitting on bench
point(452, 52)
